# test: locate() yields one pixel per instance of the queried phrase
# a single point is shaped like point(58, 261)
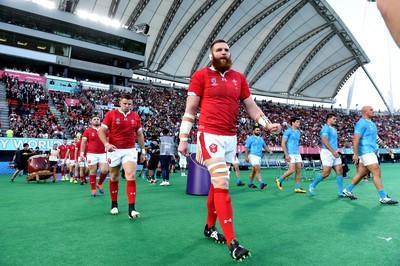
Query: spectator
point(9, 133)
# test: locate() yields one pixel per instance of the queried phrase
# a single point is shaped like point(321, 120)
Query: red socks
point(211, 212)
point(114, 190)
point(224, 210)
point(102, 178)
point(92, 179)
point(131, 191)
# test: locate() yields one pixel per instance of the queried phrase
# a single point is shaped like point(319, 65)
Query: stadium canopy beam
point(271, 35)
point(163, 30)
point(347, 39)
point(322, 74)
point(68, 5)
point(284, 95)
point(346, 77)
point(308, 59)
point(257, 19)
point(130, 23)
point(216, 30)
point(377, 89)
point(113, 8)
point(285, 51)
point(185, 30)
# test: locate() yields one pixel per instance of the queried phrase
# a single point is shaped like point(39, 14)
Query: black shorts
point(153, 162)
point(23, 166)
point(53, 163)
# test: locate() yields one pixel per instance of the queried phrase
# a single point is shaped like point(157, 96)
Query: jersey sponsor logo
point(213, 148)
point(118, 121)
point(214, 82)
point(109, 160)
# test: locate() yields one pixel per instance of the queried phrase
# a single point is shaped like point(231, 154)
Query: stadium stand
point(162, 107)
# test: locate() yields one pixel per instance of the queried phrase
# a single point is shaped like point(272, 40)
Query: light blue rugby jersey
point(331, 134)
point(293, 137)
point(369, 132)
point(255, 145)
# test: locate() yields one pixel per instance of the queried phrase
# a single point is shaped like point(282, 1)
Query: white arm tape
point(186, 126)
point(262, 120)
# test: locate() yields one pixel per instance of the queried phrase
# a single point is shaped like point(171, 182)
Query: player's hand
point(109, 147)
point(336, 154)
point(247, 159)
point(142, 157)
point(287, 158)
point(183, 148)
point(356, 160)
point(274, 128)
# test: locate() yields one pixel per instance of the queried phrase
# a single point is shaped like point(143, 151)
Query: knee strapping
point(218, 170)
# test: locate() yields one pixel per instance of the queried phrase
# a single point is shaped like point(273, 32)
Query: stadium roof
point(297, 49)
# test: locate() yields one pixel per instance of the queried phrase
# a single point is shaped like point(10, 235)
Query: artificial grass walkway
point(60, 224)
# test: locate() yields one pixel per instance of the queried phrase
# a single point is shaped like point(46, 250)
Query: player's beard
point(222, 64)
point(257, 134)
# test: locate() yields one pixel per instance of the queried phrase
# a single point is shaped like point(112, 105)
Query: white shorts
point(119, 156)
point(369, 158)
point(182, 161)
point(63, 161)
point(83, 163)
point(214, 146)
point(254, 159)
point(71, 162)
point(95, 158)
point(328, 159)
point(295, 158)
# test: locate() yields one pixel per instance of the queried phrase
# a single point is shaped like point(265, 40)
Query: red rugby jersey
point(122, 128)
point(93, 144)
point(220, 99)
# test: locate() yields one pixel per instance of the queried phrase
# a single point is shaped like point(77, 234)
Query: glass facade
point(49, 25)
point(34, 44)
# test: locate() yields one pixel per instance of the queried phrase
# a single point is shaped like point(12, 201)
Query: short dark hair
point(255, 126)
point(127, 96)
point(217, 41)
point(330, 115)
point(25, 145)
point(294, 119)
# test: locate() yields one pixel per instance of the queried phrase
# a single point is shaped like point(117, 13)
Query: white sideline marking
point(385, 238)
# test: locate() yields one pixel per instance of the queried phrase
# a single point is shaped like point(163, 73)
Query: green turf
point(60, 224)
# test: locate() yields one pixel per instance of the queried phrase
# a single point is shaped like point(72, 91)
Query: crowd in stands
point(163, 108)
point(76, 117)
point(29, 112)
